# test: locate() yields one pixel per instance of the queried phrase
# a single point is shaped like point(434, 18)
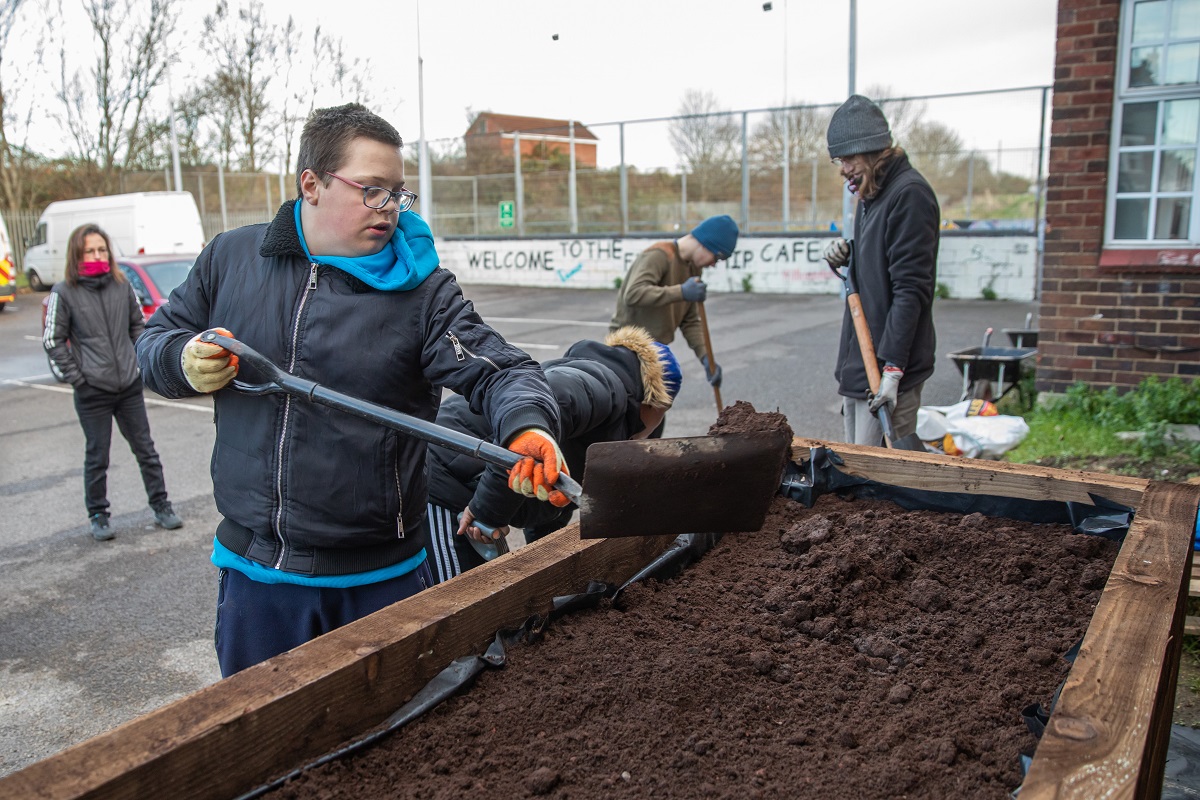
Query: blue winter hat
point(672, 374)
point(717, 235)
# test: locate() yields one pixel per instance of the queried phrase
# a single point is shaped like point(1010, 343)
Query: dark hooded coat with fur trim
point(600, 388)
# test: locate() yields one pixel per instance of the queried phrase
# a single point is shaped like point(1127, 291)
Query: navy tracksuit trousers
point(256, 621)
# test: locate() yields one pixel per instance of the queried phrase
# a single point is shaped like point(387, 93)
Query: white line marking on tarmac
point(531, 346)
point(575, 322)
point(150, 401)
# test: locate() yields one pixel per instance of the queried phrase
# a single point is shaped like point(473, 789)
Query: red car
point(152, 277)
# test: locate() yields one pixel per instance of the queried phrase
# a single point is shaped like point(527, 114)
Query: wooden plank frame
point(1107, 736)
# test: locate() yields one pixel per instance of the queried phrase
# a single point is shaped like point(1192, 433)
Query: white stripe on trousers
point(442, 530)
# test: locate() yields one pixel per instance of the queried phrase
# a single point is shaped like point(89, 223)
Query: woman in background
point(92, 321)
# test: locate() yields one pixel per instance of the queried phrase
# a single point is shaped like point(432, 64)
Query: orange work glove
point(208, 367)
point(536, 474)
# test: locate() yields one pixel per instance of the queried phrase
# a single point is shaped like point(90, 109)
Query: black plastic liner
point(819, 475)
point(803, 483)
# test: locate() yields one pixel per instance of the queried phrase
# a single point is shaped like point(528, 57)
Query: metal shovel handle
point(282, 382)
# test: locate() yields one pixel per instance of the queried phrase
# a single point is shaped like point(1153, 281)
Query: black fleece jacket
point(895, 269)
point(305, 488)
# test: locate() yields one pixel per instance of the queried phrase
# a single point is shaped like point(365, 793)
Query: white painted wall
point(776, 265)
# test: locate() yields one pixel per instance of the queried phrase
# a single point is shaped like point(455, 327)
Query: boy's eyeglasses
point(376, 197)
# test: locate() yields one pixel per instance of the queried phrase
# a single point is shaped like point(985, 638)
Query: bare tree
point(705, 137)
point(107, 115)
point(18, 105)
point(245, 51)
point(806, 137)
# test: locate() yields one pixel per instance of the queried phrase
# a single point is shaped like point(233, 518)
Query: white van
point(141, 223)
point(8, 269)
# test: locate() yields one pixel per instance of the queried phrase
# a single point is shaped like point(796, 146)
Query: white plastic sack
point(973, 436)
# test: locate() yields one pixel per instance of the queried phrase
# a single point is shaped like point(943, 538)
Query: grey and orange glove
point(889, 388)
point(536, 473)
point(208, 367)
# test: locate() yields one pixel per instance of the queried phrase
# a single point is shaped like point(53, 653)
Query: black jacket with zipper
point(100, 318)
point(305, 488)
point(895, 269)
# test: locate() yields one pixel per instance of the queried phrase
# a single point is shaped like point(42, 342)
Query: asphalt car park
point(93, 634)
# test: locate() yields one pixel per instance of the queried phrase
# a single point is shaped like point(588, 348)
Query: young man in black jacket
point(612, 391)
point(324, 513)
point(894, 266)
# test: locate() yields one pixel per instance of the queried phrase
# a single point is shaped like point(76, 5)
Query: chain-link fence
point(665, 175)
point(662, 175)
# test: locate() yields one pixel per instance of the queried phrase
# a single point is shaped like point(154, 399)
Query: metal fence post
point(475, 202)
point(267, 186)
point(221, 191)
point(200, 183)
point(970, 181)
point(814, 192)
point(745, 176)
point(571, 199)
point(1039, 213)
point(624, 185)
point(520, 183)
point(683, 215)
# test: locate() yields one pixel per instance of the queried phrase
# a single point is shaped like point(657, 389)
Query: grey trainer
point(100, 529)
point(167, 518)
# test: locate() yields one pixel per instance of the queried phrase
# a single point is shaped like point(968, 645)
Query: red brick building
point(1121, 281)
point(540, 138)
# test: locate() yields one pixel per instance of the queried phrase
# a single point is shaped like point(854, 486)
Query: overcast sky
point(634, 59)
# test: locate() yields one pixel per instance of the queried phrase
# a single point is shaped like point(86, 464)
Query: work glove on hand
point(694, 290)
point(714, 377)
point(889, 387)
point(837, 253)
point(208, 367)
point(536, 474)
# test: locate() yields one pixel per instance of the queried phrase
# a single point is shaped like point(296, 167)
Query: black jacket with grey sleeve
point(100, 318)
point(305, 488)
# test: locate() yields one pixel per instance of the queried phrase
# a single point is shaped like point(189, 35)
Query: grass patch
point(1079, 430)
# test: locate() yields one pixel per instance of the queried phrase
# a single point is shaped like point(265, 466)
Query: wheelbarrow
point(1023, 337)
point(990, 373)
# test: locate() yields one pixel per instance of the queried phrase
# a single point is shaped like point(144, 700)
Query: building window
point(1156, 135)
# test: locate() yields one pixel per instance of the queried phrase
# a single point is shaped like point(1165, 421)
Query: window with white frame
point(1152, 188)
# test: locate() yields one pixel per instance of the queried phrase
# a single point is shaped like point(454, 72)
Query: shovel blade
point(699, 484)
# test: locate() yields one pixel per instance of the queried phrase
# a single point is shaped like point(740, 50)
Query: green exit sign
point(506, 214)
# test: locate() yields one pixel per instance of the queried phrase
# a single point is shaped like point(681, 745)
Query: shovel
point(866, 347)
point(278, 381)
point(651, 487)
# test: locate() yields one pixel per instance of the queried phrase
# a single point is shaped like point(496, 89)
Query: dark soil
point(849, 650)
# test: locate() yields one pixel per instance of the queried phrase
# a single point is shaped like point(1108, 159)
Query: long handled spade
point(866, 347)
point(634, 488)
point(712, 362)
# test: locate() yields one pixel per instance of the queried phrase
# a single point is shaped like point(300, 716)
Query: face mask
point(92, 268)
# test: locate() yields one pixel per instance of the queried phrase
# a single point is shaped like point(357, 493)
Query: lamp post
point(174, 135)
point(424, 176)
point(787, 124)
point(847, 197)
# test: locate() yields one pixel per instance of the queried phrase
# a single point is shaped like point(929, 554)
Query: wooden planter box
point(1107, 736)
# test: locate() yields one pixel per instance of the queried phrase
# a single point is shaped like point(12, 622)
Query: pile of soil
point(848, 650)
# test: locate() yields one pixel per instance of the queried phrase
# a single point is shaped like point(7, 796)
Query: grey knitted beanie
point(858, 126)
